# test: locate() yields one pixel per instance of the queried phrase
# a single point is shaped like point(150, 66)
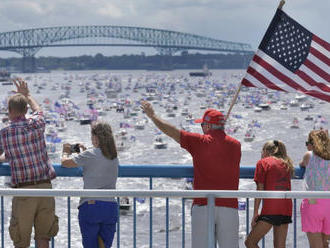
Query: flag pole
point(282, 2)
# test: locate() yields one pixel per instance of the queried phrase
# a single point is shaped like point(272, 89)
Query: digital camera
point(75, 148)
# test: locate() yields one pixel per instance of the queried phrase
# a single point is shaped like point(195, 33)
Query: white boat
point(124, 205)
point(304, 107)
point(257, 109)
point(5, 77)
point(264, 106)
point(295, 123)
point(283, 107)
point(159, 143)
point(249, 136)
point(294, 103)
point(300, 98)
point(139, 125)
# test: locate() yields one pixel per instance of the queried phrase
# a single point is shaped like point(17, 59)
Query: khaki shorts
point(33, 211)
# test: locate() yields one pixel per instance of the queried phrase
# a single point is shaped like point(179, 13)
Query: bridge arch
point(29, 41)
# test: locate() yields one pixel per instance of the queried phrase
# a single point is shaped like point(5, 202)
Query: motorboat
point(124, 205)
point(257, 109)
point(295, 123)
point(159, 143)
point(204, 73)
point(304, 107)
point(249, 135)
point(264, 106)
point(309, 118)
point(139, 125)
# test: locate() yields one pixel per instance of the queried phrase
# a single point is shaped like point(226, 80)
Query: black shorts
point(275, 220)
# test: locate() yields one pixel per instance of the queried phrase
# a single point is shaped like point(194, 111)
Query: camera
point(75, 148)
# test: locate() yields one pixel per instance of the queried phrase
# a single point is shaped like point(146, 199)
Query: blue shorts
point(98, 218)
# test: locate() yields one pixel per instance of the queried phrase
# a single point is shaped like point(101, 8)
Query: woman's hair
point(320, 142)
point(277, 149)
point(18, 104)
point(103, 132)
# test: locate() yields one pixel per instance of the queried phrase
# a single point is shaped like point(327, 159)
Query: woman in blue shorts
point(97, 216)
point(273, 172)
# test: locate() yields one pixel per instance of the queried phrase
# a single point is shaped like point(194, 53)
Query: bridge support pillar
point(28, 64)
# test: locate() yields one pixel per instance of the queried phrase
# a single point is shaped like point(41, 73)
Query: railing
point(156, 171)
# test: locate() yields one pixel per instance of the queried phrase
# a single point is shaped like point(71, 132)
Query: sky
point(231, 20)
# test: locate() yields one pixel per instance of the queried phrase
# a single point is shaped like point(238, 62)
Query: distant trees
point(136, 62)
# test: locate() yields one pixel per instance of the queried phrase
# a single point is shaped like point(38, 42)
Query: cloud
point(232, 20)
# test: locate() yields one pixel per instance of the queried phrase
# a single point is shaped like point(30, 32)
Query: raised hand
point(21, 86)
point(147, 108)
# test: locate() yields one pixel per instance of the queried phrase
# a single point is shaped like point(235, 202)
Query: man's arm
point(164, 126)
point(23, 89)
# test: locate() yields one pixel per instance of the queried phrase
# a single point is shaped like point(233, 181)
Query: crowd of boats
point(172, 96)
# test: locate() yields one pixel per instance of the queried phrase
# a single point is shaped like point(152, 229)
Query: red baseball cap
point(212, 116)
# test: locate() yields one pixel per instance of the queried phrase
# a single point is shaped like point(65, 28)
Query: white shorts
point(226, 227)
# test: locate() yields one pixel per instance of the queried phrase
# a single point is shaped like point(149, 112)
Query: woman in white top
point(97, 216)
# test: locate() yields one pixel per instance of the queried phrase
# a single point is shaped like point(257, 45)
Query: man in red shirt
point(216, 160)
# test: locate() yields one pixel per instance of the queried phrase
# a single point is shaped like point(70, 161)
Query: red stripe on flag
point(317, 70)
point(278, 74)
point(320, 56)
point(303, 75)
point(289, 81)
point(321, 42)
point(263, 79)
point(247, 83)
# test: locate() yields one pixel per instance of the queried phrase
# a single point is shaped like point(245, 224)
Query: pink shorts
point(315, 218)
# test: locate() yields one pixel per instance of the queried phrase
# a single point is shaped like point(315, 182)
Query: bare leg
point(315, 240)
point(101, 244)
point(42, 243)
point(280, 233)
point(326, 240)
point(257, 233)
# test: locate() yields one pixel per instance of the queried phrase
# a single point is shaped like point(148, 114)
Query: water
point(274, 124)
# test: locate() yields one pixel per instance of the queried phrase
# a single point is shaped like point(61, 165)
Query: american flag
point(290, 59)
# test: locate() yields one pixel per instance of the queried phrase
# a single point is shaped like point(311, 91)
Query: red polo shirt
point(216, 159)
point(274, 175)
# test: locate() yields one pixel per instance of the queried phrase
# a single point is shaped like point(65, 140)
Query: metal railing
point(156, 171)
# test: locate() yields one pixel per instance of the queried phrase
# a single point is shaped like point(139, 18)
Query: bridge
point(29, 41)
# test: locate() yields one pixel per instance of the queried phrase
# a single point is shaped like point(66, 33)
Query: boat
point(309, 118)
point(264, 106)
point(304, 107)
point(85, 121)
point(204, 73)
point(294, 103)
point(139, 125)
point(295, 123)
point(159, 143)
point(249, 135)
point(257, 109)
point(124, 205)
point(283, 107)
point(5, 78)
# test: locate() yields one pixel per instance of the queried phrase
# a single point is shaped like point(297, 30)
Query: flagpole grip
point(282, 2)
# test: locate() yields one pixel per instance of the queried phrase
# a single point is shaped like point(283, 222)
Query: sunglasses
point(308, 143)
